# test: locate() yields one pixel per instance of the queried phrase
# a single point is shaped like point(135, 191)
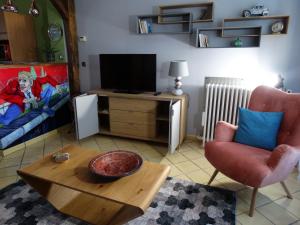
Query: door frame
point(66, 9)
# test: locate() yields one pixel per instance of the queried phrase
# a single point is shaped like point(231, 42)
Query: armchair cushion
point(258, 129)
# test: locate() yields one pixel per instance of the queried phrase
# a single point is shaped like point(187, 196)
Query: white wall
point(109, 26)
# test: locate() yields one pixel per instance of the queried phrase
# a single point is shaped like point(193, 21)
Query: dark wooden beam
point(67, 10)
point(73, 47)
point(62, 7)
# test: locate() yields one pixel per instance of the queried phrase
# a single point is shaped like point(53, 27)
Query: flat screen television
point(128, 73)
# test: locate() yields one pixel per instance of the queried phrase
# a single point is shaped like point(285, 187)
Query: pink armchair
point(252, 166)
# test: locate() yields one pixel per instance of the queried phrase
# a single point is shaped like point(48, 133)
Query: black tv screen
point(128, 72)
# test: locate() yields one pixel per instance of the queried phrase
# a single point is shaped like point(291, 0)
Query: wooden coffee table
point(73, 190)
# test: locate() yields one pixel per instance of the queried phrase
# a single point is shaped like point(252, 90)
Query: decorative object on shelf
point(258, 10)
point(60, 157)
point(149, 28)
point(277, 27)
point(203, 41)
point(178, 69)
point(145, 27)
point(238, 42)
point(280, 85)
point(55, 32)
point(116, 164)
point(33, 10)
point(9, 6)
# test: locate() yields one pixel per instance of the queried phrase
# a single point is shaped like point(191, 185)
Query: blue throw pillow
point(258, 129)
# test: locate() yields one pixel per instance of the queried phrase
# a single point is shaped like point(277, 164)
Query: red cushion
point(242, 163)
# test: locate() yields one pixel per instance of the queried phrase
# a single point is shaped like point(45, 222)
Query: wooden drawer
point(132, 117)
point(137, 105)
point(133, 129)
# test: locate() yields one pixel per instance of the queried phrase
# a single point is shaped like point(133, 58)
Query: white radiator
point(222, 103)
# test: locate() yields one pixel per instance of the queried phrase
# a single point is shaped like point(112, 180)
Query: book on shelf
point(143, 26)
point(140, 26)
point(146, 27)
point(203, 41)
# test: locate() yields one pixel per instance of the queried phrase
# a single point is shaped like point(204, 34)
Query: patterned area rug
point(178, 202)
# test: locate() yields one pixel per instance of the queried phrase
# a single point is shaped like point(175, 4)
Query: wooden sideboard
point(144, 116)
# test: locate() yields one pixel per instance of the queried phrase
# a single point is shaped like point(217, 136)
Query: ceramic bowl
point(115, 164)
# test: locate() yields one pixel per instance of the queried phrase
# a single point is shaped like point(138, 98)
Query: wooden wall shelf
point(202, 12)
point(264, 21)
point(175, 23)
point(223, 37)
point(256, 18)
point(233, 32)
point(180, 19)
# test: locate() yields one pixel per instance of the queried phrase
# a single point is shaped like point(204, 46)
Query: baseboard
point(11, 150)
point(19, 147)
point(193, 137)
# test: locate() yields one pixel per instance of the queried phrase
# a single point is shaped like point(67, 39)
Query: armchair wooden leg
point(213, 177)
point(288, 193)
point(252, 206)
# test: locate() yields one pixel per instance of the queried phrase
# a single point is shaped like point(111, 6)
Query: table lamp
point(178, 69)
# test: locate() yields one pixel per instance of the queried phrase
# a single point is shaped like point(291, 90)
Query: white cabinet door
point(86, 115)
point(174, 126)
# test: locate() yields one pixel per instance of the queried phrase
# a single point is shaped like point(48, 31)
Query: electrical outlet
point(83, 39)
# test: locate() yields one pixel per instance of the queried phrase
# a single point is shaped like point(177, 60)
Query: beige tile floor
point(187, 163)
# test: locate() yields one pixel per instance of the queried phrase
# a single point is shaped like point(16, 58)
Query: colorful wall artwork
point(33, 101)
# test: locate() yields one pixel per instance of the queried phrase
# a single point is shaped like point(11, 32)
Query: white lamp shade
point(179, 68)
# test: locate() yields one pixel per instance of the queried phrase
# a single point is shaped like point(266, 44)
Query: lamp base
point(177, 92)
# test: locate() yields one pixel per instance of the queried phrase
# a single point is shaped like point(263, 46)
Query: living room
point(149, 112)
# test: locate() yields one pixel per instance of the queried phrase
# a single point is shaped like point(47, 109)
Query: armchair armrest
point(281, 163)
point(224, 131)
point(284, 156)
